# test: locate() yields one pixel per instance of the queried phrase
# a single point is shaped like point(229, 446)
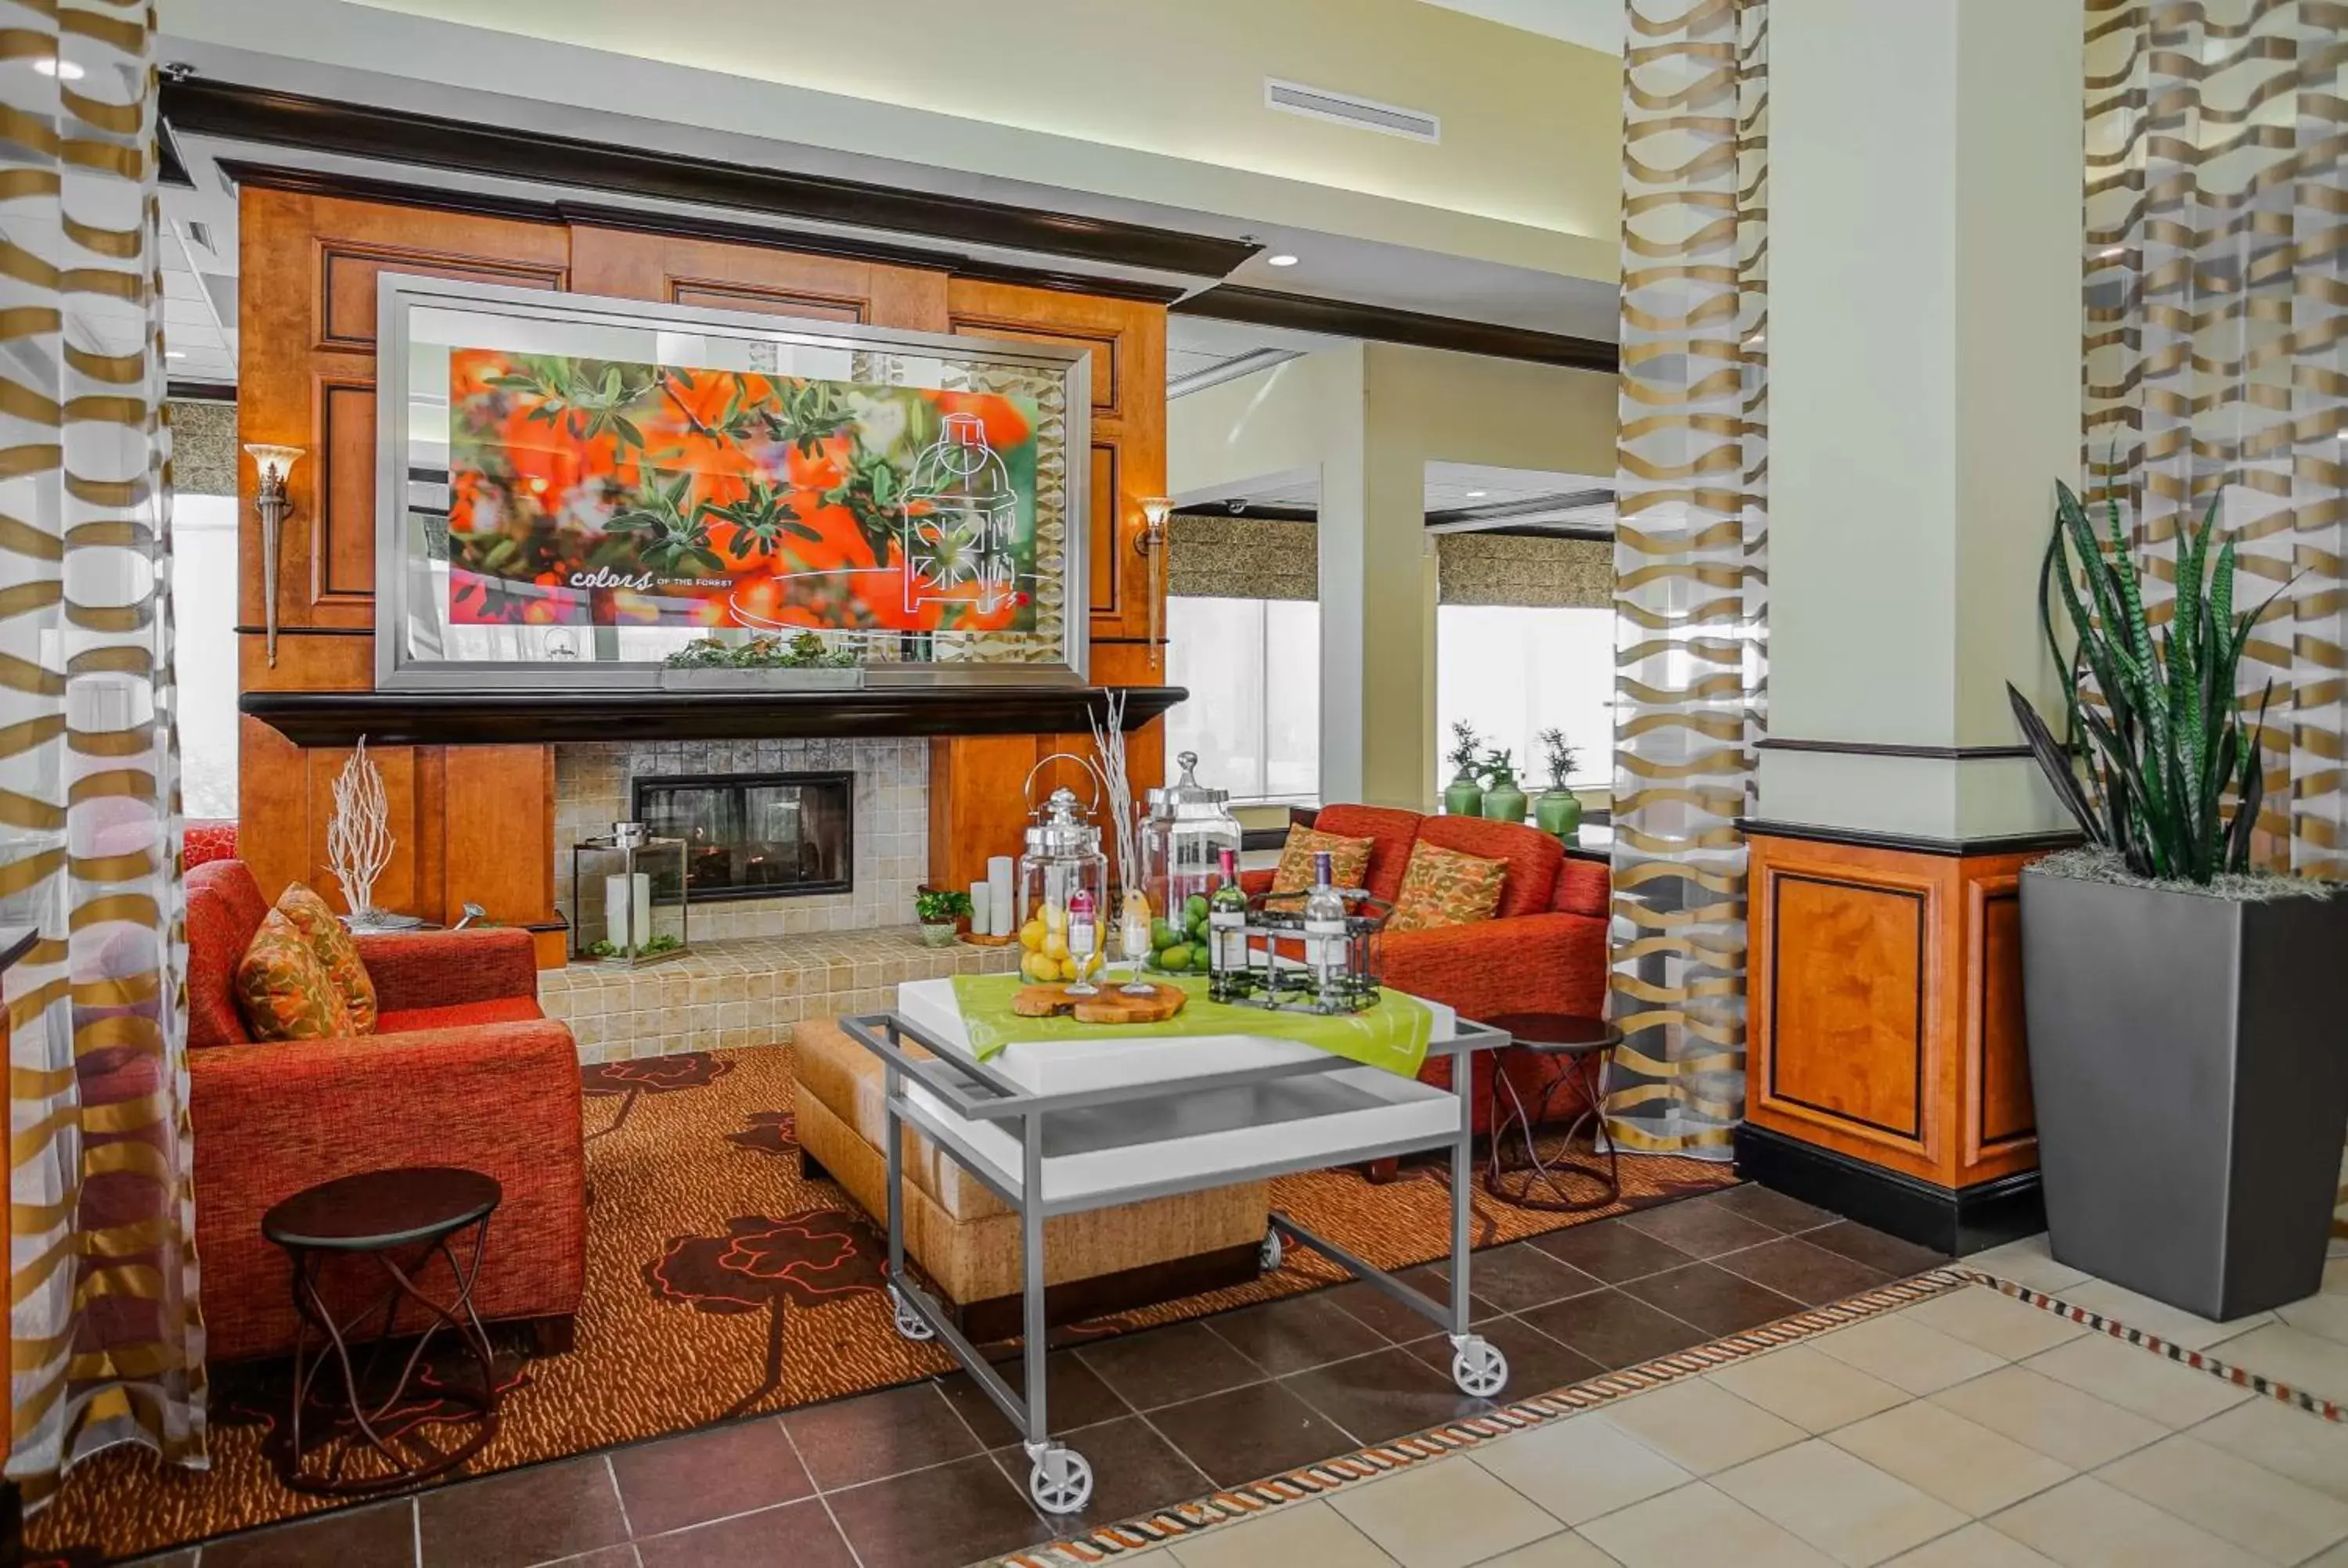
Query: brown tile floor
point(931, 1476)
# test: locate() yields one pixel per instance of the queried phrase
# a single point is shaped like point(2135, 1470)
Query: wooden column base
point(1956, 1221)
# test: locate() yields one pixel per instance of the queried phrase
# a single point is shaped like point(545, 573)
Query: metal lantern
point(1064, 909)
point(629, 897)
point(1183, 839)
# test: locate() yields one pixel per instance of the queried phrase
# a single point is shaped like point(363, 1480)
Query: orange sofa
point(1543, 951)
point(462, 1070)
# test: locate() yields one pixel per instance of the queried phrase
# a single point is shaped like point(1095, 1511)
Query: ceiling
point(1593, 24)
point(1518, 500)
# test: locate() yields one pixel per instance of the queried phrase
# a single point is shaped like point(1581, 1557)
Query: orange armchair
point(462, 1070)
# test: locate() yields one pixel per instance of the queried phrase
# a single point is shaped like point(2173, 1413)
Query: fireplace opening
point(753, 836)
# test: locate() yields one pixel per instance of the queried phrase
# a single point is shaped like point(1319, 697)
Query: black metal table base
point(1538, 1183)
point(381, 1424)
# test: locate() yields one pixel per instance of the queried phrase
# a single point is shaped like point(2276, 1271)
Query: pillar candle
point(628, 909)
point(981, 902)
point(1002, 911)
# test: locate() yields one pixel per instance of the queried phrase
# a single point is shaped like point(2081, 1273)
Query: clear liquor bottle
point(1227, 956)
point(1324, 936)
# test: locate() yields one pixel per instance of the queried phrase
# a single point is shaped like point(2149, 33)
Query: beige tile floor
point(1968, 1432)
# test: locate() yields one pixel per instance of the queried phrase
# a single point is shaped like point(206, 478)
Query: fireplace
point(755, 834)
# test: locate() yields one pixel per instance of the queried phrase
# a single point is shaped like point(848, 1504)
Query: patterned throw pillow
point(330, 940)
point(283, 990)
point(1349, 860)
point(1443, 887)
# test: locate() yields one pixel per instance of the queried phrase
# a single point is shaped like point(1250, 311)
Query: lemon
point(1039, 967)
point(1056, 947)
point(1054, 917)
point(1073, 969)
point(1031, 935)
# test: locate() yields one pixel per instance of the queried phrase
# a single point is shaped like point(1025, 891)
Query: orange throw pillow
point(337, 954)
point(1349, 860)
point(1443, 887)
point(283, 990)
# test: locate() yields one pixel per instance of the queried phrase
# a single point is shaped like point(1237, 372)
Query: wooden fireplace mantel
point(508, 718)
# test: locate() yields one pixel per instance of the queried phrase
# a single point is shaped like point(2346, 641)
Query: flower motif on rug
point(644, 1075)
point(805, 1260)
point(767, 1131)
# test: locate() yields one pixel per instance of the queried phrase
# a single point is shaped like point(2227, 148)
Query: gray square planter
point(2189, 1056)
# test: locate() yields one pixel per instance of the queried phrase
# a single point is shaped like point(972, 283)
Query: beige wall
point(1160, 102)
point(1925, 238)
point(1369, 418)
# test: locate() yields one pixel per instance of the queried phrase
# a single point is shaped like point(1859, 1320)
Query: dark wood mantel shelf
point(474, 718)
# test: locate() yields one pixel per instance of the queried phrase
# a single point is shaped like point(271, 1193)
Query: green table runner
point(1391, 1035)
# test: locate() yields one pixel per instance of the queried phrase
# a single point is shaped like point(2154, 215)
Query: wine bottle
point(1227, 957)
point(1324, 936)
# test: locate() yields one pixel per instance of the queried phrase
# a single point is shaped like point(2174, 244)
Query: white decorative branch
point(1108, 745)
point(358, 838)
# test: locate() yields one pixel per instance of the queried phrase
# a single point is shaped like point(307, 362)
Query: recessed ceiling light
point(175, 354)
point(1478, 495)
point(1282, 260)
point(65, 70)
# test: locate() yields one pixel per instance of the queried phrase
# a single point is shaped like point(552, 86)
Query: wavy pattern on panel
point(2216, 340)
point(1690, 561)
point(107, 1341)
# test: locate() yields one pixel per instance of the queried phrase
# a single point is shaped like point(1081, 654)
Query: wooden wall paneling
point(681, 271)
point(408, 874)
point(976, 808)
point(497, 823)
point(1888, 1021)
point(272, 804)
point(309, 660)
point(340, 526)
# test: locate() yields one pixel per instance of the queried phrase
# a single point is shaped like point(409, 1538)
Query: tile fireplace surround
point(757, 965)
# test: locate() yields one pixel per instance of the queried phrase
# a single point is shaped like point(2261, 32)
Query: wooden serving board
point(1111, 1005)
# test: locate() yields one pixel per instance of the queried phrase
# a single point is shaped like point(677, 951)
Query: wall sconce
point(1151, 543)
point(271, 503)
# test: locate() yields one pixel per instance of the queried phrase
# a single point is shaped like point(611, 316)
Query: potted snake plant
point(1464, 794)
point(2186, 1050)
point(1556, 810)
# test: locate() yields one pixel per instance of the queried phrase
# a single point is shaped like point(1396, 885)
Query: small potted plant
point(1504, 798)
point(940, 911)
point(765, 660)
point(1558, 810)
point(1465, 796)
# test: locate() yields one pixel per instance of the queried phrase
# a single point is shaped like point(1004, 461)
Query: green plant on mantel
point(936, 906)
point(1558, 756)
point(1466, 748)
point(2154, 734)
point(805, 651)
point(663, 943)
point(1498, 767)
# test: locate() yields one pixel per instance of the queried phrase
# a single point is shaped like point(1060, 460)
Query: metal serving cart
point(1071, 1126)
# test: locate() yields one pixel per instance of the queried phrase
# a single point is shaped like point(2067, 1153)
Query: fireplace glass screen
point(754, 835)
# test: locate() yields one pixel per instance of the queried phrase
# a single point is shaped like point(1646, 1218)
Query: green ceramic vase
point(1465, 797)
point(1503, 800)
point(1558, 812)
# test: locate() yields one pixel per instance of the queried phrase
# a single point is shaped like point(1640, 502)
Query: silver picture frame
point(397, 578)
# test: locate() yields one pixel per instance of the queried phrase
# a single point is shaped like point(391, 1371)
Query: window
point(1513, 672)
point(1253, 670)
point(203, 617)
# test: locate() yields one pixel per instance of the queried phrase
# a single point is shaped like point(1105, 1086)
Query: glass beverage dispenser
point(1187, 827)
point(1064, 910)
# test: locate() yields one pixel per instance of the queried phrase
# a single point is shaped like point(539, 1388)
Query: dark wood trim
point(542, 716)
point(170, 169)
point(1914, 1132)
point(684, 225)
point(237, 112)
point(199, 391)
point(1384, 323)
point(1975, 1045)
point(243, 630)
point(1881, 749)
point(15, 941)
point(1912, 843)
point(1949, 1221)
point(1252, 513)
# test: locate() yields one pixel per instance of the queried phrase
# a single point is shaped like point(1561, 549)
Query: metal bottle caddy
point(1276, 978)
point(1063, 882)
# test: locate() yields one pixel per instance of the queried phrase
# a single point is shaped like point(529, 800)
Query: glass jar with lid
point(1187, 829)
point(1063, 893)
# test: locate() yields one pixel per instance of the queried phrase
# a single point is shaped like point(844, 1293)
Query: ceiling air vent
point(1361, 114)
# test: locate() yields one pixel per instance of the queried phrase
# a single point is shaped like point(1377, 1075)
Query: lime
point(1176, 958)
point(1202, 959)
point(1194, 909)
point(1162, 935)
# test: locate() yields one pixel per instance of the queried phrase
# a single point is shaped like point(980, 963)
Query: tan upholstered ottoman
point(967, 1240)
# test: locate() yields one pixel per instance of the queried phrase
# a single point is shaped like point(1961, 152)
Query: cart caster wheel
point(911, 1323)
point(1061, 1482)
point(1478, 1368)
point(1274, 1249)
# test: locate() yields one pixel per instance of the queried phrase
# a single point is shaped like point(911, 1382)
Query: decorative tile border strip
point(2087, 1317)
point(1108, 1543)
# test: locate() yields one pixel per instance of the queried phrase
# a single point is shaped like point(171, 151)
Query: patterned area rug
point(720, 1283)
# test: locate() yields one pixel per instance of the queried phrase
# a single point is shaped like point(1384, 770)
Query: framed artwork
point(587, 492)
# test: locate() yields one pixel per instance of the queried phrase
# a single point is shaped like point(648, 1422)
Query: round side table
point(1583, 1048)
point(385, 1215)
